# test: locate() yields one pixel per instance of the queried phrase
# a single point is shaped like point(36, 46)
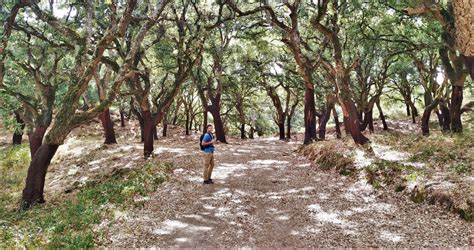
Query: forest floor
point(265, 194)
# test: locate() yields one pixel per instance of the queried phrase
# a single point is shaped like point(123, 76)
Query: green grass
point(67, 222)
point(451, 152)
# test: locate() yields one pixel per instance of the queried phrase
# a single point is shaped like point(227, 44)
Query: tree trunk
point(108, 127)
point(187, 123)
point(36, 139)
point(165, 126)
point(324, 120)
point(446, 117)
point(252, 131)
point(18, 134)
point(440, 118)
point(218, 124)
point(34, 186)
point(381, 115)
point(369, 120)
point(469, 61)
point(455, 111)
point(414, 112)
point(288, 127)
point(122, 118)
point(281, 130)
point(309, 116)
point(408, 109)
point(148, 134)
point(204, 121)
point(242, 131)
point(336, 121)
point(353, 122)
point(425, 119)
point(347, 129)
point(155, 133)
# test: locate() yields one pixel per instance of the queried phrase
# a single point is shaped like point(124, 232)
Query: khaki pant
point(208, 165)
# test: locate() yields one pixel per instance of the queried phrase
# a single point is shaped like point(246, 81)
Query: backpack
point(200, 140)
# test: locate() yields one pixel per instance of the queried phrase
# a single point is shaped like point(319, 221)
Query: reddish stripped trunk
point(147, 133)
point(309, 116)
point(252, 131)
point(18, 134)
point(324, 120)
point(455, 111)
point(353, 122)
point(108, 126)
point(347, 129)
point(36, 139)
point(218, 125)
point(34, 186)
point(368, 121)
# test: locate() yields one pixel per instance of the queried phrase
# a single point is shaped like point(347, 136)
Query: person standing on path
point(208, 142)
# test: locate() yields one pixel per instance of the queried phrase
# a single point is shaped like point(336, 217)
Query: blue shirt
point(209, 148)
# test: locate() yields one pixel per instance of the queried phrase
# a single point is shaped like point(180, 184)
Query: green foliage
point(69, 222)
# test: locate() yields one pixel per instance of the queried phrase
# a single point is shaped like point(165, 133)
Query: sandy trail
point(267, 196)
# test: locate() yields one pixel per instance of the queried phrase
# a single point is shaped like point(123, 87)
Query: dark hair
point(209, 125)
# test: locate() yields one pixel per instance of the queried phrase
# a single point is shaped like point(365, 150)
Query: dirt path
point(266, 196)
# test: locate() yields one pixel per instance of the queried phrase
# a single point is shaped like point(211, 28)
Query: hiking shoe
point(208, 182)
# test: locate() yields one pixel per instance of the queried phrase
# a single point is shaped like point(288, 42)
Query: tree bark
point(34, 186)
point(381, 115)
point(165, 126)
point(469, 61)
point(18, 134)
point(309, 116)
point(455, 108)
point(425, 119)
point(187, 123)
point(108, 127)
point(155, 133)
point(252, 131)
point(440, 118)
point(218, 124)
point(242, 131)
point(345, 121)
point(353, 122)
point(408, 109)
point(204, 122)
point(288, 127)
point(336, 121)
point(36, 139)
point(148, 133)
point(414, 112)
point(122, 118)
point(446, 117)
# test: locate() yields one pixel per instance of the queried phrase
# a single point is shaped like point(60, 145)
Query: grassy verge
point(68, 221)
point(438, 170)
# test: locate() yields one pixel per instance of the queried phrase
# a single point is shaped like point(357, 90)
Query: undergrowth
point(329, 156)
point(67, 222)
